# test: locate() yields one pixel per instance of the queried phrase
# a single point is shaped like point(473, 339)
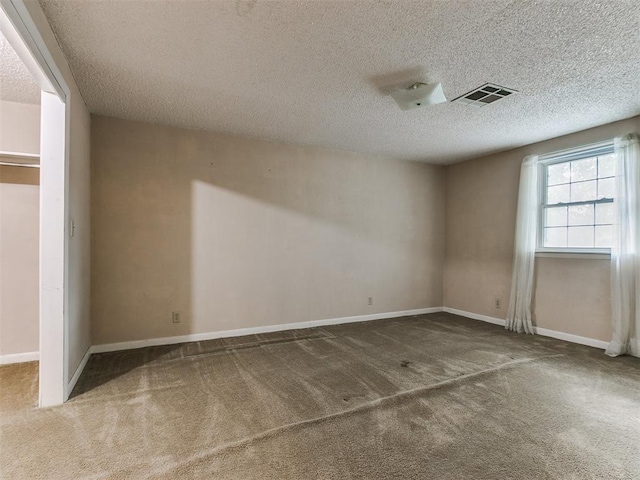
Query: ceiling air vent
point(485, 95)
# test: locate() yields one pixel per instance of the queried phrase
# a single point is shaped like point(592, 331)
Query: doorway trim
point(22, 32)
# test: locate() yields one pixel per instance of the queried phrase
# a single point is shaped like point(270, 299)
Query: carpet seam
point(382, 401)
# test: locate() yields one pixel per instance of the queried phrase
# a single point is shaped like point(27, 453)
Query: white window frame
point(585, 151)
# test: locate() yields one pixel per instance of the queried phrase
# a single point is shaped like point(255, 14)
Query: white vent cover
point(485, 95)
point(419, 95)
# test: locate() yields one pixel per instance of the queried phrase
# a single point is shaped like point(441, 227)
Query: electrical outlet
point(176, 317)
point(498, 303)
point(370, 300)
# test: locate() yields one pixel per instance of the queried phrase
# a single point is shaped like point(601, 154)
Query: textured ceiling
point(316, 72)
point(16, 82)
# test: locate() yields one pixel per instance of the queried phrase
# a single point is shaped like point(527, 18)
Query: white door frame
point(17, 25)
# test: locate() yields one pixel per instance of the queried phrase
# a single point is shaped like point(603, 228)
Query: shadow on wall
point(235, 232)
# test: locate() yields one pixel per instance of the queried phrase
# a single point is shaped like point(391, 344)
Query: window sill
point(569, 254)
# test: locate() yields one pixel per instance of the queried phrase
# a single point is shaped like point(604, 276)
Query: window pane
point(584, 182)
point(583, 169)
point(604, 236)
point(604, 213)
point(556, 217)
point(581, 215)
point(558, 194)
point(580, 237)
point(584, 191)
point(606, 166)
point(555, 237)
point(606, 188)
point(558, 173)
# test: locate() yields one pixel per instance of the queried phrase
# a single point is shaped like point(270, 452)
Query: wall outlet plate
point(176, 317)
point(498, 303)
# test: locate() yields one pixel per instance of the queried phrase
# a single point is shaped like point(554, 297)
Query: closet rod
point(12, 164)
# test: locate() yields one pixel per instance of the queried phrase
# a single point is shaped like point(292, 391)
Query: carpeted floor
point(425, 397)
point(18, 387)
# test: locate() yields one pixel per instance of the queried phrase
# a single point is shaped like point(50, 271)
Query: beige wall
point(79, 273)
point(19, 127)
point(237, 232)
point(19, 231)
point(19, 244)
point(572, 295)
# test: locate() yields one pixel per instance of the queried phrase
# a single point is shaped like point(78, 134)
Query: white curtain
point(519, 313)
point(625, 253)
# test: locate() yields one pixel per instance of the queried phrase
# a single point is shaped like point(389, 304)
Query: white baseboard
point(545, 332)
point(78, 372)
point(112, 347)
point(568, 337)
point(195, 337)
point(19, 358)
point(475, 316)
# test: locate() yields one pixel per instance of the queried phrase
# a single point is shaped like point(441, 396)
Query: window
point(577, 195)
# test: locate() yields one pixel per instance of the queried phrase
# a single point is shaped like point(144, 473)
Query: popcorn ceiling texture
point(16, 82)
point(317, 72)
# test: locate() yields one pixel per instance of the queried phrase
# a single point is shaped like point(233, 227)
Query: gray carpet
point(426, 397)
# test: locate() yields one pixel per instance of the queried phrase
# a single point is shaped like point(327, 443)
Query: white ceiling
point(16, 82)
point(316, 72)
